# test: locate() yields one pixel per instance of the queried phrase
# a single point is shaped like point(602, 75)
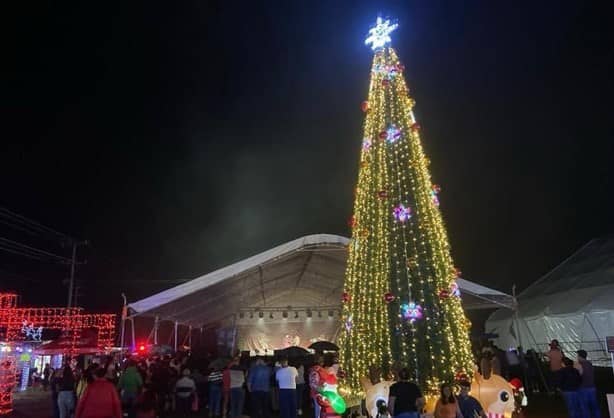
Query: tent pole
point(156, 325)
point(123, 323)
point(133, 337)
point(190, 337)
point(176, 325)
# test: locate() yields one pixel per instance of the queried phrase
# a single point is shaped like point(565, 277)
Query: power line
point(31, 226)
point(26, 249)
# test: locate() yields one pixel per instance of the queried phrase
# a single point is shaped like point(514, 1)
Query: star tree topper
point(379, 35)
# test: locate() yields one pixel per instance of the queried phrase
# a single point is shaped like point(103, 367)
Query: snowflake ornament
point(401, 213)
point(379, 35)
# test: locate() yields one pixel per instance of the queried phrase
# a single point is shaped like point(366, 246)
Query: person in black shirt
point(569, 382)
point(469, 406)
point(405, 399)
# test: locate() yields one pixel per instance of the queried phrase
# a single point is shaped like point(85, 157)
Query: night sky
point(181, 136)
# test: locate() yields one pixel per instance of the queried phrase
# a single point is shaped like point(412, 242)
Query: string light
point(406, 255)
point(21, 324)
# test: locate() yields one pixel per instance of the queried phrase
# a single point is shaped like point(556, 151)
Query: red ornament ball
point(364, 106)
point(382, 194)
point(400, 67)
point(436, 188)
point(415, 127)
point(444, 294)
point(352, 222)
point(385, 82)
point(383, 135)
point(389, 297)
point(345, 297)
point(457, 272)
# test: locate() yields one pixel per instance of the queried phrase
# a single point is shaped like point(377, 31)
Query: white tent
point(291, 282)
point(573, 303)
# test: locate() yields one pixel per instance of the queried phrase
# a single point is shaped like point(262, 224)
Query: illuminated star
point(379, 35)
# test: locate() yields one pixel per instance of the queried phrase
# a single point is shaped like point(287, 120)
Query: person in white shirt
point(185, 389)
point(286, 379)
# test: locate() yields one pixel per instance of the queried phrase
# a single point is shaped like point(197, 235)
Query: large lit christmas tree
point(402, 306)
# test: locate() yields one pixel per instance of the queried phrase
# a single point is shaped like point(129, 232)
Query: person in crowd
point(46, 376)
point(201, 386)
point(555, 362)
point(215, 392)
point(54, 384)
point(237, 392)
point(185, 390)
point(286, 379)
point(405, 399)
point(130, 385)
point(160, 381)
point(447, 406)
point(469, 406)
point(66, 393)
point(300, 388)
point(568, 382)
point(87, 377)
point(513, 362)
point(314, 381)
point(146, 405)
point(111, 370)
point(34, 377)
point(259, 385)
point(587, 391)
point(226, 387)
point(100, 399)
point(496, 364)
point(486, 363)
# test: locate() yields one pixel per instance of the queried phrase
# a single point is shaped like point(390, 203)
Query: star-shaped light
point(379, 35)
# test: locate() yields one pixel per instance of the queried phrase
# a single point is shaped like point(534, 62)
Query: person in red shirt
point(100, 399)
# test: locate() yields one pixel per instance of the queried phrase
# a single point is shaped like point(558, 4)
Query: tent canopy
point(572, 303)
point(306, 273)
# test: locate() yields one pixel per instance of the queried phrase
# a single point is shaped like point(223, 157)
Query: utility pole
point(73, 265)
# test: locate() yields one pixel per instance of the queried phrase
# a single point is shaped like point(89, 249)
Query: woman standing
point(447, 406)
point(66, 393)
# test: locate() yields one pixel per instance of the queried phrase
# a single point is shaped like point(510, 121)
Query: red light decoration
point(70, 321)
point(389, 297)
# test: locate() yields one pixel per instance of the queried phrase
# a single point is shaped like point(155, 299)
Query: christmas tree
point(402, 306)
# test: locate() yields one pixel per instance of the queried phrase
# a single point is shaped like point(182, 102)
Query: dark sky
point(181, 136)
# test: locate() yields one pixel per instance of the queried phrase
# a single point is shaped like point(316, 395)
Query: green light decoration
point(336, 401)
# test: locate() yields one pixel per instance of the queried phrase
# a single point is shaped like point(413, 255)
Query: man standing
point(259, 385)
point(587, 391)
point(555, 359)
point(405, 399)
point(569, 383)
point(286, 379)
point(237, 393)
point(185, 390)
point(469, 406)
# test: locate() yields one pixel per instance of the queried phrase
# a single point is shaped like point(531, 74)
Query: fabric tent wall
point(579, 319)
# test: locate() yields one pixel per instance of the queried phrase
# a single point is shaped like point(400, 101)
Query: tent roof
point(305, 273)
point(589, 267)
point(582, 283)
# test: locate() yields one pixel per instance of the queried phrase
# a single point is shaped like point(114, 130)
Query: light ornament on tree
point(455, 289)
point(401, 213)
point(434, 194)
point(392, 134)
point(349, 324)
point(379, 35)
point(366, 144)
point(411, 312)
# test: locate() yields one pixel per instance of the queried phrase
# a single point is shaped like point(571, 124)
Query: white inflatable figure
point(375, 393)
point(496, 395)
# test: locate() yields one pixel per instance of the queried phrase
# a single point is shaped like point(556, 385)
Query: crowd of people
point(165, 386)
